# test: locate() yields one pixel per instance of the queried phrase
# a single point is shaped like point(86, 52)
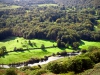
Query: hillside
point(83, 3)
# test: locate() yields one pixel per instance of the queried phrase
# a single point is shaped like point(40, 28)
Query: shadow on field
point(44, 50)
point(62, 48)
point(48, 40)
point(9, 39)
point(5, 54)
point(82, 43)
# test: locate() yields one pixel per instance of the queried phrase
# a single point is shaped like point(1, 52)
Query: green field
point(4, 6)
point(86, 44)
point(10, 7)
point(18, 42)
point(10, 43)
point(98, 21)
point(42, 5)
point(94, 71)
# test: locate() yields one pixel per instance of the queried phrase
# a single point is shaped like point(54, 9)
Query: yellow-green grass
point(97, 28)
point(93, 71)
point(86, 44)
point(42, 5)
point(2, 4)
point(18, 42)
point(98, 21)
point(2, 7)
point(13, 57)
point(26, 55)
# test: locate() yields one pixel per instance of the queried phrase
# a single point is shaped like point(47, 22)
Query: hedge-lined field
point(5, 6)
point(86, 44)
point(42, 5)
point(18, 42)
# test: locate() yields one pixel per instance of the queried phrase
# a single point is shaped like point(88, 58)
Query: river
point(52, 58)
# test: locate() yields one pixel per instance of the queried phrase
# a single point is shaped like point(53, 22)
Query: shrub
point(42, 46)
point(78, 64)
point(75, 65)
point(83, 50)
point(41, 71)
point(92, 48)
point(70, 73)
point(1, 73)
point(10, 72)
point(97, 66)
point(35, 67)
point(64, 53)
point(55, 67)
point(26, 68)
point(95, 56)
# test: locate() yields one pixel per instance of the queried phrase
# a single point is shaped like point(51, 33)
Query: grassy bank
point(5, 6)
point(12, 42)
point(18, 42)
point(86, 44)
point(43, 5)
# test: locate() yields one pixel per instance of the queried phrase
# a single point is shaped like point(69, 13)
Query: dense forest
point(81, 3)
point(64, 24)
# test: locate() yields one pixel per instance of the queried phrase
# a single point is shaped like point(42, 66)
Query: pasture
point(86, 44)
point(43, 5)
point(18, 42)
point(5, 6)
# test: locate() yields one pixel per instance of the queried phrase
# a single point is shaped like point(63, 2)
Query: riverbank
point(51, 58)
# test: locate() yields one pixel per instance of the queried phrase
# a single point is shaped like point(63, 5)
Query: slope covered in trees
point(81, 3)
point(60, 23)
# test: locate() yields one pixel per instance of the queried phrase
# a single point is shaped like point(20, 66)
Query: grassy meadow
point(43, 5)
point(11, 42)
point(86, 44)
point(4, 6)
point(20, 42)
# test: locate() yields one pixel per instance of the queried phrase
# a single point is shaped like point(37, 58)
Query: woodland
point(65, 22)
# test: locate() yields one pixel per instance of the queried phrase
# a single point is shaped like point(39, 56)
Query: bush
point(97, 66)
point(75, 65)
point(41, 71)
point(1, 73)
point(95, 56)
point(35, 67)
point(26, 68)
point(92, 48)
point(83, 50)
point(10, 72)
point(42, 46)
point(55, 67)
point(78, 64)
point(70, 73)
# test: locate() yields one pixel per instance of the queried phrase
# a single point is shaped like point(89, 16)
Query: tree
point(63, 44)
point(59, 43)
point(10, 72)
point(75, 45)
point(58, 20)
point(30, 43)
point(1, 52)
point(4, 48)
point(42, 46)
